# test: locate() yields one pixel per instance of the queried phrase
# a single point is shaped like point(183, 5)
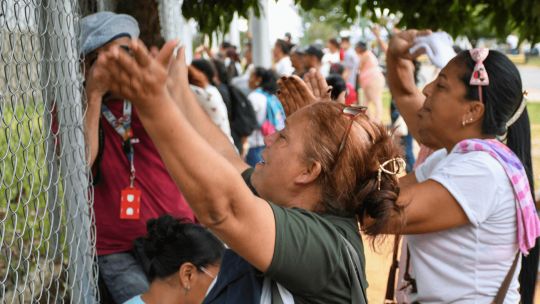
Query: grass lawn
point(533, 61)
point(534, 114)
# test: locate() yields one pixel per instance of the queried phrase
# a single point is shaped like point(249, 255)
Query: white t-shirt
point(327, 61)
point(284, 67)
point(258, 101)
point(211, 101)
point(467, 264)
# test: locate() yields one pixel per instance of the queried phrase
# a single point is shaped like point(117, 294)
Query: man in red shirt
point(132, 184)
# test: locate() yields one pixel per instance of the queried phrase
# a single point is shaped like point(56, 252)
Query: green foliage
point(24, 184)
point(467, 17)
point(319, 30)
point(458, 17)
point(216, 15)
point(534, 112)
point(324, 21)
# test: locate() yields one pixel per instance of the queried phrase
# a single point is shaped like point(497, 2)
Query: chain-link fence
point(47, 252)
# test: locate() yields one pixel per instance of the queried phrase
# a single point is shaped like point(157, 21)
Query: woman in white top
point(209, 98)
point(465, 217)
point(282, 61)
point(262, 82)
point(330, 57)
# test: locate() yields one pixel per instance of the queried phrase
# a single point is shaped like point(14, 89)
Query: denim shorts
point(123, 276)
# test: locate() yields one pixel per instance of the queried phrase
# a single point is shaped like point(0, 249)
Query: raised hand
point(178, 73)
point(294, 94)
point(401, 43)
point(316, 82)
point(96, 85)
point(141, 78)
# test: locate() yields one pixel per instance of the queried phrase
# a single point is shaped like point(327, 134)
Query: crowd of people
point(225, 182)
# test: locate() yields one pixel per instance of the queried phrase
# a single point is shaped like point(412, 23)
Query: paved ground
point(530, 76)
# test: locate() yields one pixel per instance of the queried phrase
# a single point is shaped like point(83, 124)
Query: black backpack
point(242, 116)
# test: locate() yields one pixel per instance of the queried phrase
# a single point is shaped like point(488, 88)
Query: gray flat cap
point(101, 28)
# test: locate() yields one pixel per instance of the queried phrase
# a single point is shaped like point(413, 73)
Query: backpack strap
point(276, 296)
point(96, 167)
point(353, 262)
point(503, 290)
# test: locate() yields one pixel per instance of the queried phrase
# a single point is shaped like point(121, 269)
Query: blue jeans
point(254, 156)
point(123, 275)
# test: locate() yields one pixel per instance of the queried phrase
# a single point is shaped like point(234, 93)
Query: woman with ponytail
point(470, 215)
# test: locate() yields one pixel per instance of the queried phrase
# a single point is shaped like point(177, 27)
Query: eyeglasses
point(352, 112)
point(207, 272)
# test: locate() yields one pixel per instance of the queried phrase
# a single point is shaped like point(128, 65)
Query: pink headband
point(479, 76)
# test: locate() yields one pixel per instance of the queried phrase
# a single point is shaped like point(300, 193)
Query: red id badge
point(130, 204)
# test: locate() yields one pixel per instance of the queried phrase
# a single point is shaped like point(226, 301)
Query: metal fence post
point(72, 159)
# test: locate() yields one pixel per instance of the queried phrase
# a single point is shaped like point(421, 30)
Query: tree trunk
point(146, 13)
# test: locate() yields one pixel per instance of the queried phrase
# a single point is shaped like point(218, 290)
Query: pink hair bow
point(479, 76)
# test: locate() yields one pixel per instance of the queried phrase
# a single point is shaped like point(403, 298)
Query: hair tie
point(398, 164)
point(479, 75)
point(519, 111)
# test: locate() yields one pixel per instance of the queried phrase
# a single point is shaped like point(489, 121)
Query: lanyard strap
point(122, 126)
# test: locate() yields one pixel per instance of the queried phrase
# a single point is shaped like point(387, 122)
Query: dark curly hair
point(171, 242)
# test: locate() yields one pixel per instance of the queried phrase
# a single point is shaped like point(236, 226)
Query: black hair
point(345, 38)
point(338, 85)
point(502, 98)
point(171, 242)
point(221, 71)
point(314, 51)
point(268, 79)
point(284, 46)
point(226, 45)
point(334, 42)
point(206, 67)
point(337, 68)
point(362, 45)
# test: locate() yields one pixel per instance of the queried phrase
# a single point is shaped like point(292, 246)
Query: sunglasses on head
point(352, 112)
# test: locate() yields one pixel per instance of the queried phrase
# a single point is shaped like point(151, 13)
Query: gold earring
point(187, 289)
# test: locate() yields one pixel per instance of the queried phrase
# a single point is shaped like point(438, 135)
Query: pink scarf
point(528, 225)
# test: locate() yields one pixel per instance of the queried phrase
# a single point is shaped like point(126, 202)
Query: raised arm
point(376, 30)
point(213, 187)
point(95, 89)
point(184, 98)
point(400, 78)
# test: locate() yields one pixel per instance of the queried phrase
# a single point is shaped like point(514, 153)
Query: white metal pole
point(260, 37)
